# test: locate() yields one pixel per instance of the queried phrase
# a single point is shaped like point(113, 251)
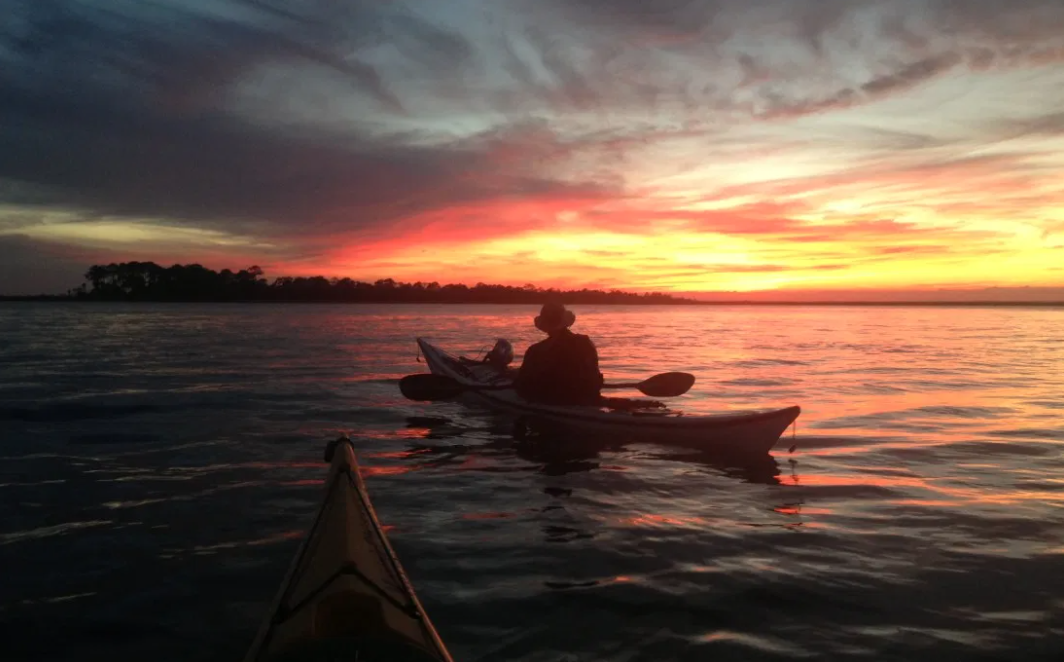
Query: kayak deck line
point(755, 431)
point(351, 570)
point(345, 592)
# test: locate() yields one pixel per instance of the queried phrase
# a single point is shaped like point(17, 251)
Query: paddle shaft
point(438, 387)
point(499, 387)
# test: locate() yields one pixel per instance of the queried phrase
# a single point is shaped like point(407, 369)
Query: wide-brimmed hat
point(554, 316)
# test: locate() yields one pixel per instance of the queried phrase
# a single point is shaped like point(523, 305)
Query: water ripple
point(915, 513)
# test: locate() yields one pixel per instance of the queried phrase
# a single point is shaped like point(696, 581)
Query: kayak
point(345, 595)
point(747, 432)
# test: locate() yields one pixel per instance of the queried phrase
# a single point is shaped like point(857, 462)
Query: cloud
point(336, 129)
point(935, 249)
point(143, 110)
point(789, 58)
point(784, 223)
point(30, 267)
point(218, 170)
point(912, 74)
point(122, 111)
point(163, 51)
point(1043, 124)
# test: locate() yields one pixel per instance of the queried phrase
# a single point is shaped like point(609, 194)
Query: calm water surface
point(159, 464)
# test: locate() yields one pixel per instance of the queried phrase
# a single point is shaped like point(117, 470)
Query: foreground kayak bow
point(345, 595)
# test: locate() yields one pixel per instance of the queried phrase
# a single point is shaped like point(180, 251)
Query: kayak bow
point(345, 595)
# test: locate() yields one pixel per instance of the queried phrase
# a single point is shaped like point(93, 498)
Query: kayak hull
point(345, 595)
point(751, 432)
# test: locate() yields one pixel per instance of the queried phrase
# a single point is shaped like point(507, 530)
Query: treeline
point(147, 281)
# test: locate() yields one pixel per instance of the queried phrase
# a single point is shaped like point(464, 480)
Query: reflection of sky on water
point(184, 442)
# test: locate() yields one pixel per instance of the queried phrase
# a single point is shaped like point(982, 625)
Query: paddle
point(428, 387)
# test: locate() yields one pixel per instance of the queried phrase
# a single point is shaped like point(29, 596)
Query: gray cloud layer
point(139, 109)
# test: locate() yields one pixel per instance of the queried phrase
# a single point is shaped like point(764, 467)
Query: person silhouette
point(562, 369)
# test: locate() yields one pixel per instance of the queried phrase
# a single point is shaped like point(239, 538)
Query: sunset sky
point(724, 145)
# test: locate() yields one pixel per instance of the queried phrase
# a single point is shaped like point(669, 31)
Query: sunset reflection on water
point(922, 495)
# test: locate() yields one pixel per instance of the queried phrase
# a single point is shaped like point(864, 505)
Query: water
point(158, 465)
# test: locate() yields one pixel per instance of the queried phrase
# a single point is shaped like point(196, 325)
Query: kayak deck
point(345, 593)
point(742, 432)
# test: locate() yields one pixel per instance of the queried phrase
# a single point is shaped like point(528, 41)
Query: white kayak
point(748, 432)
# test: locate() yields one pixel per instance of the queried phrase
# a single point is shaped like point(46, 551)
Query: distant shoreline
point(147, 282)
point(683, 303)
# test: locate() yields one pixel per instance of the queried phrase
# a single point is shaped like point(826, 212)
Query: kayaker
point(563, 369)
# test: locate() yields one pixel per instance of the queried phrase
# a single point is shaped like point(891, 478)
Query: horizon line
point(60, 298)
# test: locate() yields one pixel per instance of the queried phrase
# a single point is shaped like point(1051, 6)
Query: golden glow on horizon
point(824, 255)
point(794, 203)
point(840, 244)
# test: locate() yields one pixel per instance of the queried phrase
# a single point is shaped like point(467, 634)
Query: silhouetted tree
point(147, 281)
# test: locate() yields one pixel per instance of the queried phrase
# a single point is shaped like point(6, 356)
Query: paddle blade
point(667, 384)
point(427, 387)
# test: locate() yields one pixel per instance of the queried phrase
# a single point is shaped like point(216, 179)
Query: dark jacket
point(561, 370)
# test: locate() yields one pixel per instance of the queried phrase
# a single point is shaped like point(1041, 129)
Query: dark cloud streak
point(912, 74)
point(120, 111)
point(900, 44)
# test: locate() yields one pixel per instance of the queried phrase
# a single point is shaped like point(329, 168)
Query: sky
point(767, 147)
